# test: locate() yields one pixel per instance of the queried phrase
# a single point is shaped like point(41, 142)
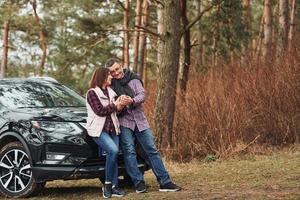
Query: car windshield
point(33, 95)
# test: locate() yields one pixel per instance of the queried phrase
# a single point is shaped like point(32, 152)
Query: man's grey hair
point(110, 62)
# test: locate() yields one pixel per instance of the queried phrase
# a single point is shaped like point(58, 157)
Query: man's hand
point(125, 100)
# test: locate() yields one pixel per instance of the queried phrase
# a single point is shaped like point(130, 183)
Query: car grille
point(100, 161)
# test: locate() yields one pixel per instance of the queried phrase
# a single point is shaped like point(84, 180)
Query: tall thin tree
point(260, 39)
point(267, 30)
point(137, 24)
point(283, 24)
point(126, 8)
point(200, 47)
point(42, 40)
point(215, 33)
point(187, 48)
point(5, 49)
point(292, 22)
point(247, 20)
point(142, 40)
point(160, 30)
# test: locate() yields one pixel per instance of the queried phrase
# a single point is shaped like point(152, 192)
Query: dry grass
point(273, 176)
point(231, 108)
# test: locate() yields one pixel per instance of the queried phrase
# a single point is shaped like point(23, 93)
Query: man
point(134, 126)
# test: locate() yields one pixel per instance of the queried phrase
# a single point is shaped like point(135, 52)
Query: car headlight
point(56, 156)
point(57, 127)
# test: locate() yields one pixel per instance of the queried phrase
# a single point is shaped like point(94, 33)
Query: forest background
point(222, 76)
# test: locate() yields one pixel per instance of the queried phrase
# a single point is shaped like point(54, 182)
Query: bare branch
point(157, 2)
point(149, 31)
point(121, 4)
point(199, 17)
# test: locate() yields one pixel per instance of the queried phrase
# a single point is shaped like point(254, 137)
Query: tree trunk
point(168, 73)
point(247, 21)
point(136, 34)
point(187, 50)
point(42, 40)
point(126, 62)
point(145, 69)
point(160, 30)
point(260, 40)
point(142, 40)
point(283, 24)
point(275, 30)
point(200, 51)
point(214, 45)
point(292, 23)
point(5, 49)
point(267, 30)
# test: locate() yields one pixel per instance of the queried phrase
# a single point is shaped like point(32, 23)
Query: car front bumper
point(49, 173)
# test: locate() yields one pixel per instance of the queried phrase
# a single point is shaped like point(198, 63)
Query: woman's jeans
point(110, 144)
point(145, 138)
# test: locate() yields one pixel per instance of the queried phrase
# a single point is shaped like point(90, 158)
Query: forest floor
point(272, 175)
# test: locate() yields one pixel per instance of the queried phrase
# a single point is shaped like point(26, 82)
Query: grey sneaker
point(141, 187)
point(117, 192)
point(169, 187)
point(107, 190)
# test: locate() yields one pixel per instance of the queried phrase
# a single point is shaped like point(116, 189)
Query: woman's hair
point(99, 77)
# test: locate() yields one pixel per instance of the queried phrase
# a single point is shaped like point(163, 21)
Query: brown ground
point(272, 176)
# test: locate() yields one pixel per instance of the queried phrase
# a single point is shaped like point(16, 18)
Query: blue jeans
point(110, 144)
point(145, 138)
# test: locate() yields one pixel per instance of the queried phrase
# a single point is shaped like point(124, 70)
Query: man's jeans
point(110, 144)
point(145, 138)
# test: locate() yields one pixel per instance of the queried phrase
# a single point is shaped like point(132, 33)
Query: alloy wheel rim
point(15, 171)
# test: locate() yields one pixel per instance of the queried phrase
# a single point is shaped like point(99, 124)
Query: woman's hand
point(119, 104)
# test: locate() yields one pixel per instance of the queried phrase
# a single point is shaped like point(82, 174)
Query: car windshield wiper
point(68, 106)
point(55, 106)
point(33, 107)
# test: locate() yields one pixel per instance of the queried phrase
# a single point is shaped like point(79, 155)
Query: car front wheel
point(16, 179)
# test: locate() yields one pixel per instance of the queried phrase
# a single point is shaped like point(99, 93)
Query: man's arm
point(138, 89)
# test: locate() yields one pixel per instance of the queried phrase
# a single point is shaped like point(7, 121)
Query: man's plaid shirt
point(134, 116)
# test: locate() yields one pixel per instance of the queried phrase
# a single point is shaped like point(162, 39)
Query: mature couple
point(114, 90)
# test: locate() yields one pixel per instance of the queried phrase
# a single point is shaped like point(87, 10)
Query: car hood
point(71, 134)
point(62, 114)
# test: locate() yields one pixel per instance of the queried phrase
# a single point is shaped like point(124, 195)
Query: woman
point(103, 126)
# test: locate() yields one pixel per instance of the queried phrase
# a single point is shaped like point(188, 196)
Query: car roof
point(29, 79)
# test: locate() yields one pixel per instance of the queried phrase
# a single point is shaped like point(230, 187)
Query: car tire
point(16, 178)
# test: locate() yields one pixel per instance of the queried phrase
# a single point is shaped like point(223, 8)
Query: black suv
point(42, 137)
